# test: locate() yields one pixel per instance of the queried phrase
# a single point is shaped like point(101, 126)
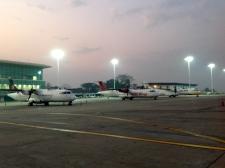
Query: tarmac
point(180, 132)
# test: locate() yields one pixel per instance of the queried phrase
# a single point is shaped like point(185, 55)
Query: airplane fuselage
point(112, 93)
point(142, 93)
point(44, 96)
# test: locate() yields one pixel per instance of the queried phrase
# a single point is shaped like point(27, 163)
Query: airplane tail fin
point(11, 85)
point(102, 86)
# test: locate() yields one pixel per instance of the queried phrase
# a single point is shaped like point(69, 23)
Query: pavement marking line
point(211, 138)
point(196, 146)
point(198, 135)
point(88, 115)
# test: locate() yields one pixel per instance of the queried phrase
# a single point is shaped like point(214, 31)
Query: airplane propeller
point(32, 91)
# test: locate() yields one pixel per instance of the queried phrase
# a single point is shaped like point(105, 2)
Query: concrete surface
point(178, 132)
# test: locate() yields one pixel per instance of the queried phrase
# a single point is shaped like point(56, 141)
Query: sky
point(150, 38)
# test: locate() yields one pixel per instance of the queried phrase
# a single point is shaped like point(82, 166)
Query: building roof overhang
point(24, 64)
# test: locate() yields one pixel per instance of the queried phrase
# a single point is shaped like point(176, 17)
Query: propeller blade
point(31, 91)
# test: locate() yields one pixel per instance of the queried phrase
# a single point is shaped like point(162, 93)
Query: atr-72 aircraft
point(41, 96)
point(128, 93)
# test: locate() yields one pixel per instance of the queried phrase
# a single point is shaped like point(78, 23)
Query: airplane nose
point(12, 95)
point(73, 96)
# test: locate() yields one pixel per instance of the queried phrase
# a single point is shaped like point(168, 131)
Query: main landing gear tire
point(46, 103)
point(131, 98)
point(155, 98)
point(70, 103)
point(172, 96)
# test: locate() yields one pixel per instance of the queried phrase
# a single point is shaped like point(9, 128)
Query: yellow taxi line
point(143, 123)
point(119, 136)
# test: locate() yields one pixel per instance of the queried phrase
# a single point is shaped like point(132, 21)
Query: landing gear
point(70, 103)
point(172, 96)
point(155, 98)
point(31, 103)
point(46, 103)
point(131, 98)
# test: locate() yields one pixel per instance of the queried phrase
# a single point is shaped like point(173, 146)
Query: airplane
point(128, 93)
point(41, 96)
point(169, 93)
point(191, 91)
point(110, 93)
point(143, 93)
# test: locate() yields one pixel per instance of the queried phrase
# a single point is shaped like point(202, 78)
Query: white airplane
point(169, 93)
point(42, 96)
point(110, 93)
point(191, 91)
point(128, 93)
point(143, 93)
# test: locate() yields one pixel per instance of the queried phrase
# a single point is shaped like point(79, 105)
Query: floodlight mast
point(114, 62)
point(57, 54)
point(211, 66)
point(189, 59)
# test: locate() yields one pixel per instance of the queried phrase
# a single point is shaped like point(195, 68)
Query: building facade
point(24, 75)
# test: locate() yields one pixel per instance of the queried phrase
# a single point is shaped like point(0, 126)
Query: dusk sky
point(149, 37)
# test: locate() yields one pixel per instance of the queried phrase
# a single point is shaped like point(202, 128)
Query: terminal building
point(24, 75)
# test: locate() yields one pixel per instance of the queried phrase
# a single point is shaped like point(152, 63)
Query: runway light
point(114, 61)
point(223, 70)
point(57, 54)
point(189, 58)
point(211, 65)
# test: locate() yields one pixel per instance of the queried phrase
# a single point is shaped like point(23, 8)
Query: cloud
point(119, 14)
point(85, 50)
point(61, 38)
point(164, 11)
point(179, 9)
point(38, 6)
point(78, 3)
point(19, 19)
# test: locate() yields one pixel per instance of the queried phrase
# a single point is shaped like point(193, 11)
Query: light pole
point(114, 62)
point(189, 59)
point(57, 54)
point(211, 66)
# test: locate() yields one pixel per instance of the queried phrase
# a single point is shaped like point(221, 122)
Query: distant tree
point(110, 84)
point(207, 90)
point(77, 90)
point(124, 80)
point(90, 87)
